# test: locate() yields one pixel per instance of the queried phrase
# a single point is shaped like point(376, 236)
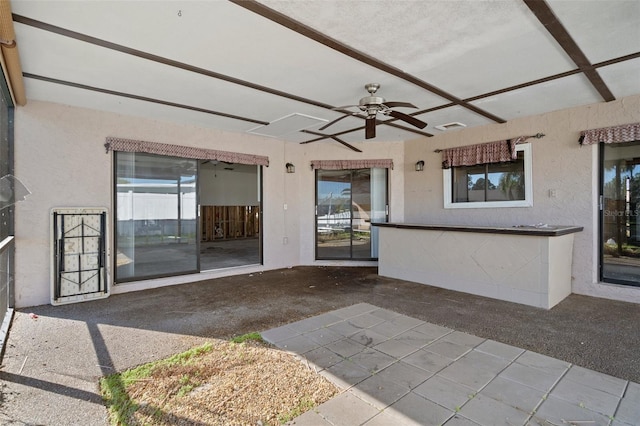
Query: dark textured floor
point(599, 334)
point(56, 355)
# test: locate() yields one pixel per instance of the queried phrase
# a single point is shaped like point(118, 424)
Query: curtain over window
point(483, 153)
point(615, 134)
point(351, 164)
point(130, 145)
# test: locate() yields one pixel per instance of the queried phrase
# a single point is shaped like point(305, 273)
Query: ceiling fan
point(371, 105)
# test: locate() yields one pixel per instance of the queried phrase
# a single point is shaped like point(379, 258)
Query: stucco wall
point(61, 158)
point(59, 155)
point(559, 164)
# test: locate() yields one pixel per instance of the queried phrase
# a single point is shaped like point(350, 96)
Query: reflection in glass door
point(347, 202)
point(156, 216)
point(620, 206)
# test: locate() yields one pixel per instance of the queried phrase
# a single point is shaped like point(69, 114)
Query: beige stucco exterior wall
point(60, 157)
point(559, 165)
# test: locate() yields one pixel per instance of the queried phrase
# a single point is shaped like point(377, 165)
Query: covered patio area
point(56, 359)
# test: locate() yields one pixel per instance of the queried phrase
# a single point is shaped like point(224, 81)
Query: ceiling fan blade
point(344, 107)
point(400, 104)
point(409, 119)
point(331, 123)
point(345, 144)
point(335, 138)
point(370, 128)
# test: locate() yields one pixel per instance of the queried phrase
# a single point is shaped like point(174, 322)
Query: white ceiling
point(197, 62)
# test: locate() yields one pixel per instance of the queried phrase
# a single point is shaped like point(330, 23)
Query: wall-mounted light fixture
point(420, 166)
point(290, 168)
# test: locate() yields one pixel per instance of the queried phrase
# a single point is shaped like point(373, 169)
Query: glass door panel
point(348, 201)
point(230, 222)
point(156, 216)
point(620, 207)
point(333, 217)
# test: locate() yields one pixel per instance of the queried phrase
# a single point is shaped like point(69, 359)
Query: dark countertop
point(530, 230)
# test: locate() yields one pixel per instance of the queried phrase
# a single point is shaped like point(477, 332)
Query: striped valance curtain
point(130, 145)
point(616, 134)
point(483, 153)
point(351, 164)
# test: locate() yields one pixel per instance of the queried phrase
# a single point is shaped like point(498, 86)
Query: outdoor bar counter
point(522, 264)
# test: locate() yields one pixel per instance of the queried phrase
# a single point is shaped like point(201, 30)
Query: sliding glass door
point(156, 216)
point(620, 206)
point(347, 202)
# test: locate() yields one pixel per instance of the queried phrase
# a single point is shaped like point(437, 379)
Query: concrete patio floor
point(398, 370)
point(52, 364)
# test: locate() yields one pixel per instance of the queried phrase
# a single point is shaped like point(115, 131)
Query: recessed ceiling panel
point(604, 29)
point(292, 123)
point(551, 96)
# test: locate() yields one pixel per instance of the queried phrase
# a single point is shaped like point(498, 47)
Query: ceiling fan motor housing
point(371, 105)
point(371, 100)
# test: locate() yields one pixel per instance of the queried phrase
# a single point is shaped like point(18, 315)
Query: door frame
point(315, 220)
point(601, 217)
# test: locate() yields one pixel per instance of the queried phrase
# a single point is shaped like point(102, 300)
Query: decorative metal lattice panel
point(79, 249)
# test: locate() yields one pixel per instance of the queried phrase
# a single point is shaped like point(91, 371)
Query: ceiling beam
point(548, 78)
point(141, 98)
point(334, 44)
point(159, 59)
point(545, 15)
point(170, 62)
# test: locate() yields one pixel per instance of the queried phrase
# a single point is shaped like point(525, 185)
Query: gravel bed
point(249, 383)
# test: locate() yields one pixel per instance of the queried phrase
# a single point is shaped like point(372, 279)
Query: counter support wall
point(527, 267)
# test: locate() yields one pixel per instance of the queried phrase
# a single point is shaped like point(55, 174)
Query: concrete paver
point(428, 361)
point(513, 393)
point(377, 391)
point(531, 377)
point(403, 371)
point(596, 380)
point(347, 409)
point(558, 411)
point(449, 394)
point(629, 409)
point(404, 374)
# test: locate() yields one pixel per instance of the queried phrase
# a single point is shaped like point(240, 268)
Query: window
point(7, 248)
point(490, 185)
